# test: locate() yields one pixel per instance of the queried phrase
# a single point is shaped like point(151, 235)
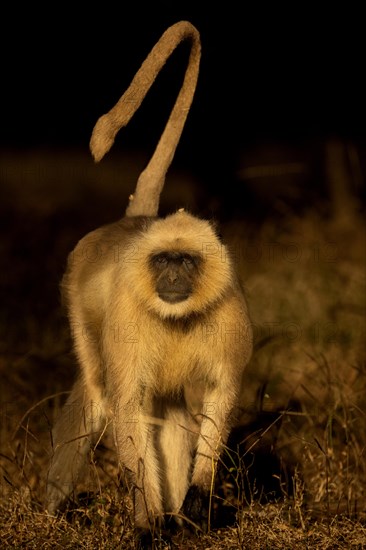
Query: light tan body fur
point(140, 357)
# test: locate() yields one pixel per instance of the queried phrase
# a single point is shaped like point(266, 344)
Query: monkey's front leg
point(217, 410)
point(135, 436)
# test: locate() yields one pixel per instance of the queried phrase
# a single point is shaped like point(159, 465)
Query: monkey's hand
point(196, 507)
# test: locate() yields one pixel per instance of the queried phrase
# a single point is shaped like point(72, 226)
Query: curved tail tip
point(97, 150)
point(102, 138)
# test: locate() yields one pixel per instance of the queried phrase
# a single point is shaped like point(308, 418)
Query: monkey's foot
point(196, 507)
point(147, 539)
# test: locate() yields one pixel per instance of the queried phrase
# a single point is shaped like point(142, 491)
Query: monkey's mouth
point(173, 297)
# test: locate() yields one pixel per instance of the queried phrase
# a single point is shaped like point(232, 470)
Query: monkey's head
point(180, 266)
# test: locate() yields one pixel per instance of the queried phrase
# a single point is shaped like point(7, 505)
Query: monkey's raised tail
point(145, 201)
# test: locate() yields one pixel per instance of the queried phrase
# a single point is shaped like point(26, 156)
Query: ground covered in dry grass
point(294, 473)
point(258, 528)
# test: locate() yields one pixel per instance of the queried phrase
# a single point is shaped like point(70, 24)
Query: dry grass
point(294, 472)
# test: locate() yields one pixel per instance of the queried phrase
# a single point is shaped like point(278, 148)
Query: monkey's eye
point(161, 261)
point(188, 263)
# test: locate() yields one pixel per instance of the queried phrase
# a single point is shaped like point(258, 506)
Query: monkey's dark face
point(175, 273)
point(180, 267)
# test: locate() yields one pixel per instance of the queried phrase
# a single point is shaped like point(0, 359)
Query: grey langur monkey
point(164, 315)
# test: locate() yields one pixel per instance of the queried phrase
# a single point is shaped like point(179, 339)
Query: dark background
point(288, 76)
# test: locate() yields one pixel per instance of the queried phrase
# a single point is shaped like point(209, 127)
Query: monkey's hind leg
point(135, 434)
point(79, 426)
point(176, 442)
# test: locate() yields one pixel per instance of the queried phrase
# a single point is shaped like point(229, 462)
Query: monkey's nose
point(172, 275)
